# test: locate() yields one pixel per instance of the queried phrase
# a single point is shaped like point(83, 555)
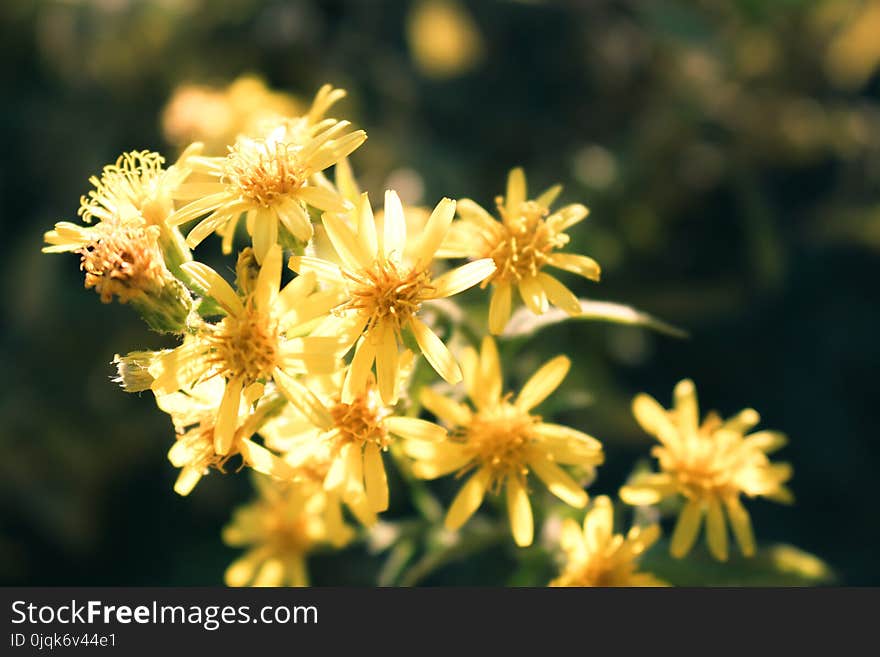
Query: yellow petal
point(462, 278)
point(686, 529)
point(446, 410)
point(227, 416)
point(435, 230)
point(647, 488)
point(716, 530)
point(336, 474)
point(559, 482)
point(344, 178)
point(214, 286)
point(303, 400)
point(415, 429)
point(742, 421)
point(264, 461)
point(375, 479)
point(499, 307)
point(470, 210)
point(187, 480)
point(271, 573)
point(547, 197)
point(687, 410)
point(559, 295)
point(387, 356)
point(326, 272)
point(394, 232)
point(359, 372)
point(543, 382)
point(436, 352)
point(568, 216)
point(599, 524)
point(345, 242)
point(519, 510)
point(766, 441)
point(741, 525)
point(577, 264)
point(269, 279)
point(468, 499)
point(653, 418)
point(295, 292)
point(296, 220)
point(323, 199)
point(241, 571)
point(367, 227)
point(533, 295)
point(354, 471)
point(516, 190)
point(265, 233)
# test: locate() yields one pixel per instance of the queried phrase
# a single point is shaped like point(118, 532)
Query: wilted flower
point(710, 465)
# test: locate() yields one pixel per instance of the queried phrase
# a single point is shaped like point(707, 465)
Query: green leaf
point(775, 565)
point(524, 323)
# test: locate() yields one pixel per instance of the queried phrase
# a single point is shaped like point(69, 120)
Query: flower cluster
point(308, 368)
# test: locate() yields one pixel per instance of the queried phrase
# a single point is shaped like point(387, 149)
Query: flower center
point(360, 422)
point(499, 438)
point(246, 345)
point(261, 172)
point(384, 294)
point(526, 241)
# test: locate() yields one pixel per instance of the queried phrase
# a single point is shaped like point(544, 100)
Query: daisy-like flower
point(526, 239)
point(269, 181)
point(596, 556)
point(709, 465)
point(354, 434)
point(286, 522)
point(385, 291)
point(194, 414)
point(500, 441)
point(256, 342)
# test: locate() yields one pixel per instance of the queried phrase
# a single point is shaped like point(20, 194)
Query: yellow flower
point(710, 465)
point(596, 556)
point(135, 191)
point(218, 115)
point(344, 441)
point(268, 180)
point(385, 291)
point(527, 239)
point(194, 414)
point(258, 341)
point(501, 440)
point(286, 522)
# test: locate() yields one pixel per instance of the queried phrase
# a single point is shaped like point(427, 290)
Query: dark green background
point(741, 209)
